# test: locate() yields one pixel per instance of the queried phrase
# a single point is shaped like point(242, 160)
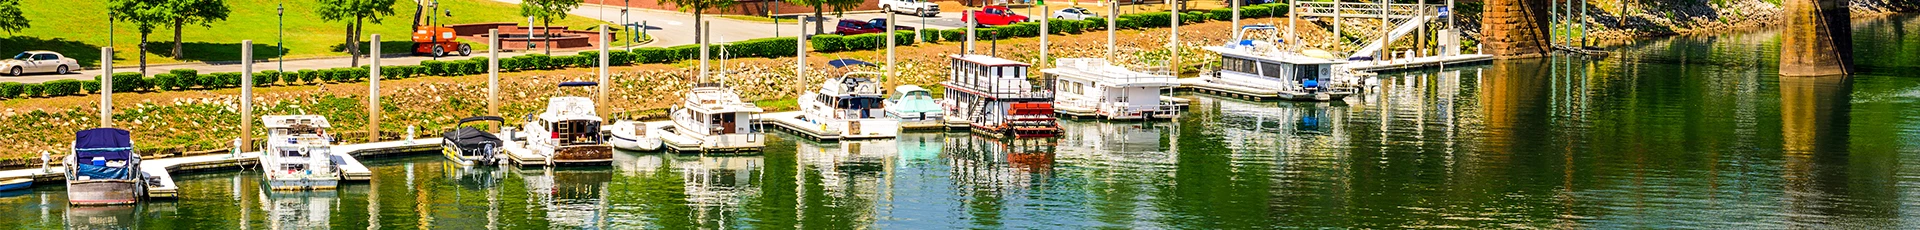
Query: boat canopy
point(108, 143)
point(578, 83)
point(842, 63)
point(904, 104)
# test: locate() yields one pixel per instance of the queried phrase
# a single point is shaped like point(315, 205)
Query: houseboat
point(633, 136)
point(1093, 87)
point(1262, 66)
point(103, 169)
point(469, 145)
point(714, 115)
point(298, 153)
point(850, 105)
point(568, 132)
point(914, 108)
point(995, 97)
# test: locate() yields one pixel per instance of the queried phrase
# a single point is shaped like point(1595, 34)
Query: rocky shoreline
point(1615, 23)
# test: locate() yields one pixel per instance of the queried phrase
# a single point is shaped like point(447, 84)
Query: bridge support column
point(1515, 28)
point(1817, 40)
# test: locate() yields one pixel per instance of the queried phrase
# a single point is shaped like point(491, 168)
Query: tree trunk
point(177, 23)
point(353, 44)
point(546, 26)
point(819, 25)
point(143, 51)
point(699, 27)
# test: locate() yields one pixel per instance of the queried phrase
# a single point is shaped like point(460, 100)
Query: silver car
point(38, 61)
point(1075, 13)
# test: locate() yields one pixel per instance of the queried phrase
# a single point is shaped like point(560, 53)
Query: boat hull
point(294, 184)
point(103, 192)
point(453, 154)
point(632, 142)
point(16, 184)
point(586, 154)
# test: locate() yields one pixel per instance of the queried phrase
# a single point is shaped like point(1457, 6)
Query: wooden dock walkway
point(160, 171)
point(1407, 64)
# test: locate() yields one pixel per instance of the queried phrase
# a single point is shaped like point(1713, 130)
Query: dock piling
point(246, 95)
point(373, 92)
point(106, 86)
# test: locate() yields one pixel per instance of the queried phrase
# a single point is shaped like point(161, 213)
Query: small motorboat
point(16, 184)
point(915, 108)
point(298, 153)
point(470, 146)
point(103, 169)
point(568, 132)
point(633, 136)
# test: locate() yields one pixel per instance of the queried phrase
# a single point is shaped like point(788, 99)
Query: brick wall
point(1515, 28)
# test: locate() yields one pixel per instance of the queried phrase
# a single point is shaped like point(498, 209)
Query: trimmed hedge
point(932, 35)
point(12, 89)
point(34, 90)
point(62, 87)
point(828, 42)
point(90, 86)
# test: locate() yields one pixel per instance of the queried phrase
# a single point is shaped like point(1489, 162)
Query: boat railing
point(1007, 88)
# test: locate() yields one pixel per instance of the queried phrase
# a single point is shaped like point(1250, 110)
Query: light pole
point(280, 45)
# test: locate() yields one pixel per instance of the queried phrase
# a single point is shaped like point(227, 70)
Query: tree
point(203, 12)
point(10, 17)
point(145, 14)
point(547, 11)
point(699, 8)
point(361, 12)
point(839, 6)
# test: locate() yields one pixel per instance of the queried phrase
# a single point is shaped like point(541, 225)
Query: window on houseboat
point(1308, 72)
point(1273, 70)
point(1237, 64)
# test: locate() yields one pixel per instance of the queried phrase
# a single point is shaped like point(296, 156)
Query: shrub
point(1191, 17)
point(184, 78)
point(1017, 30)
point(393, 72)
point(477, 65)
point(434, 68)
point(129, 82)
point(954, 35)
point(162, 81)
point(1225, 14)
point(1063, 26)
point(1094, 24)
point(932, 35)
point(1152, 20)
point(1254, 11)
point(12, 89)
point(265, 78)
point(655, 55)
point(34, 90)
point(206, 81)
point(987, 34)
point(63, 87)
point(614, 58)
point(827, 43)
point(861, 42)
point(91, 86)
point(357, 74)
point(764, 47)
point(309, 76)
point(538, 61)
point(903, 38)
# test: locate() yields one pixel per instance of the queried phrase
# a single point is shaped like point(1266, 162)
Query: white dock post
point(604, 78)
point(106, 86)
point(246, 97)
point(409, 134)
point(971, 23)
point(1339, 41)
point(1236, 17)
point(1173, 41)
point(1293, 18)
point(1111, 11)
point(373, 91)
point(1043, 32)
point(44, 156)
point(891, 36)
point(1384, 34)
point(800, 55)
point(493, 75)
point(702, 37)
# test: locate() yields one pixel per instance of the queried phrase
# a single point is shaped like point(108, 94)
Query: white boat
point(469, 145)
point(298, 153)
point(1261, 65)
point(633, 136)
point(103, 169)
point(1093, 87)
point(850, 105)
point(915, 108)
point(995, 97)
point(568, 132)
point(714, 115)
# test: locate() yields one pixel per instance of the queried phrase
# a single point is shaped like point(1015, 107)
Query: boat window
point(291, 153)
point(1237, 64)
point(1273, 70)
point(1308, 72)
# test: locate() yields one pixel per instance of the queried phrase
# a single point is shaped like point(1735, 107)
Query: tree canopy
point(547, 9)
point(11, 19)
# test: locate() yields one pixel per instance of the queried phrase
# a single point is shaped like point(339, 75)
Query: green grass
point(78, 29)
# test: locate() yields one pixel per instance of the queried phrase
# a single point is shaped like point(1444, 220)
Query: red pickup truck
point(994, 15)
point(877, 25)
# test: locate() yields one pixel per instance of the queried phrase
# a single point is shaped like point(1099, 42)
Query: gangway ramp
point(1373, 48)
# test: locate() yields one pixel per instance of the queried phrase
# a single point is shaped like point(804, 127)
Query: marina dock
point(159, 172)
point(790, 121)
point(1200, 84)
point(1416, 63)
point(522, 156)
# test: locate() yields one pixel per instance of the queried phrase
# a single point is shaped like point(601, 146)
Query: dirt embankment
point(1614, 22)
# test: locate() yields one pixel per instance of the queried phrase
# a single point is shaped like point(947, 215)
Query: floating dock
point(520, 155)
point(1406, 64)
point(159, 172)
point(790, 121)
point(1200, 84)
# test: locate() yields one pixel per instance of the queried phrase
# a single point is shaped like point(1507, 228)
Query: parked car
point(877, 25)
point(923, 8)
point(1075, 13)
point(38, 61)
point(994, 15)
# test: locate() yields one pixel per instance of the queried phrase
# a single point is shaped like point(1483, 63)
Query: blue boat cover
point(839, 63)
point(578, 83)
point(102, 172)
point(109, 143)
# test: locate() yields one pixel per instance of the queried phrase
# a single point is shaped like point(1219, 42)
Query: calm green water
point(1670, 133)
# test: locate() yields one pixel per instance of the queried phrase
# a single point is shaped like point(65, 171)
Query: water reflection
point(297, 209)
point(574, 197)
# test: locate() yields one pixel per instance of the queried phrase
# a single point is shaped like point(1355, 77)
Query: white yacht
point(914, 108)
point(568, 132)
point(851, 106)
point(298, 153)
point(633, 136)
point(714, 115)
point(1263, 66)
point(995, 97)
point(1093, 87)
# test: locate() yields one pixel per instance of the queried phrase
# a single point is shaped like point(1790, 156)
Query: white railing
point(1359, 9)
point(1100, 68)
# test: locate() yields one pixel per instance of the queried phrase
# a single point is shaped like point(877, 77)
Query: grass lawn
point(78, 29)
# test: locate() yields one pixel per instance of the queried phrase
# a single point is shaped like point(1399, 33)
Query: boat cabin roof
point(985, 60)
point(1095, 69)
point(569, 108)
point(289, 121)
point(716, 98)
point(1271, 56)
point(904, 89)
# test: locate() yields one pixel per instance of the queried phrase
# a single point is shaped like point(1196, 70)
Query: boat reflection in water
point(575, 197)
point(998, 166)
point(104, 217)
point(1114, 144)
point(297, 209)
point(1275, 126)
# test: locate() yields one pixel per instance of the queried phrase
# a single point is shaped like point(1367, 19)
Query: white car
point(923, 8)
point(1075, 13)
point(38, 61)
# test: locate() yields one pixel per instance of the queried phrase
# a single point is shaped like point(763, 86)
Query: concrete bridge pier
point(1515, 28)
point(1817, 39)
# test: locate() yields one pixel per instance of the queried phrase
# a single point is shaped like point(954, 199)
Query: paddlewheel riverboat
point(995, 97)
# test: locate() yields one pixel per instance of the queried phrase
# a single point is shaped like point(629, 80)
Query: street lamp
point(281, 44)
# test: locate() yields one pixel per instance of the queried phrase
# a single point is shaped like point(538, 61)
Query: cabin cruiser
point(914, 108)
point(1263, 66)
point(568, 132)
point(994, 96)
point(633, 136)
point(1093, 87)
point(298, 153)
point(714, 115)
point(103, 169)
point(470, 146)
point(851, 106)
